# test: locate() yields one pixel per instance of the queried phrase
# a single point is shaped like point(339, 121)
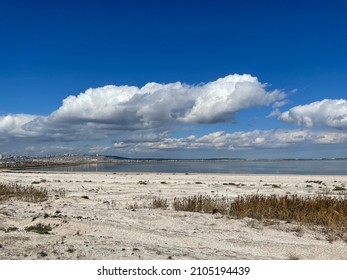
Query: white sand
point(115, 221)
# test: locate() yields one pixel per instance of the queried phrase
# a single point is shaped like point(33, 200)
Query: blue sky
point(232, 78)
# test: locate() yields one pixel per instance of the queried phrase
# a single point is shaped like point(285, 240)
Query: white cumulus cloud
point(218, 101)
point(101, 112)
point(328, 112)
point(221, 140)
point(14, 125)
point(156, 104)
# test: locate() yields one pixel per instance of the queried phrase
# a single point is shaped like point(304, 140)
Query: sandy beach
point(109, 216)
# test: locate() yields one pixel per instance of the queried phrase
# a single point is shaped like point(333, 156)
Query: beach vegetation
point(159, 202)
point(316, 182)
point(234, 184)
point(202, 203)
point(328, 212)
point(134, 206)
point(39, 228)
point(142, 182)
point(9, 229)
point(71, 249)
point(25, 193)
point(230, 184)
point(324, 211)
point(39, 182)
point(293, 257)
point(42, 254)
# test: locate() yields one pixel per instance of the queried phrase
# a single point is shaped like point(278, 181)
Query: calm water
point(327, 167)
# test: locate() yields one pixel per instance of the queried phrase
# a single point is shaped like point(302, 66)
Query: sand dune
point(108, 216)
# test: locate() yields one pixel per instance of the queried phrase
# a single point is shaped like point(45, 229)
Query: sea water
point(315, 167)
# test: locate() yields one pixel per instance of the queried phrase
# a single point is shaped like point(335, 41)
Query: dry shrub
point(202, 203)
point(159, 202)
point(40, 228)
point(330, 212)
point(29, 194)
point(293, 257)
point(324, 211)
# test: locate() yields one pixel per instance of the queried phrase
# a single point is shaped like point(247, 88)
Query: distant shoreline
point(33, 163)
point(311, 167)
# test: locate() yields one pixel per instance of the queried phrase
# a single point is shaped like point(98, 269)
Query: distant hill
point(115, 157)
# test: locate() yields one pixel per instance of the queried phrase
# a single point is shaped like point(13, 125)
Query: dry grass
point(329, 212)
point(159, 202)
point(293, 257)
point(202, 203)
point(324, 211)
point(40, 229)
point(29, 194)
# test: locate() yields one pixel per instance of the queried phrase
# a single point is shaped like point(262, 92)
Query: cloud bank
point(328, 112)
point(102, 111)
point(156, 104)
point(143, 118)
point(221, 140)
point(15, 125)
